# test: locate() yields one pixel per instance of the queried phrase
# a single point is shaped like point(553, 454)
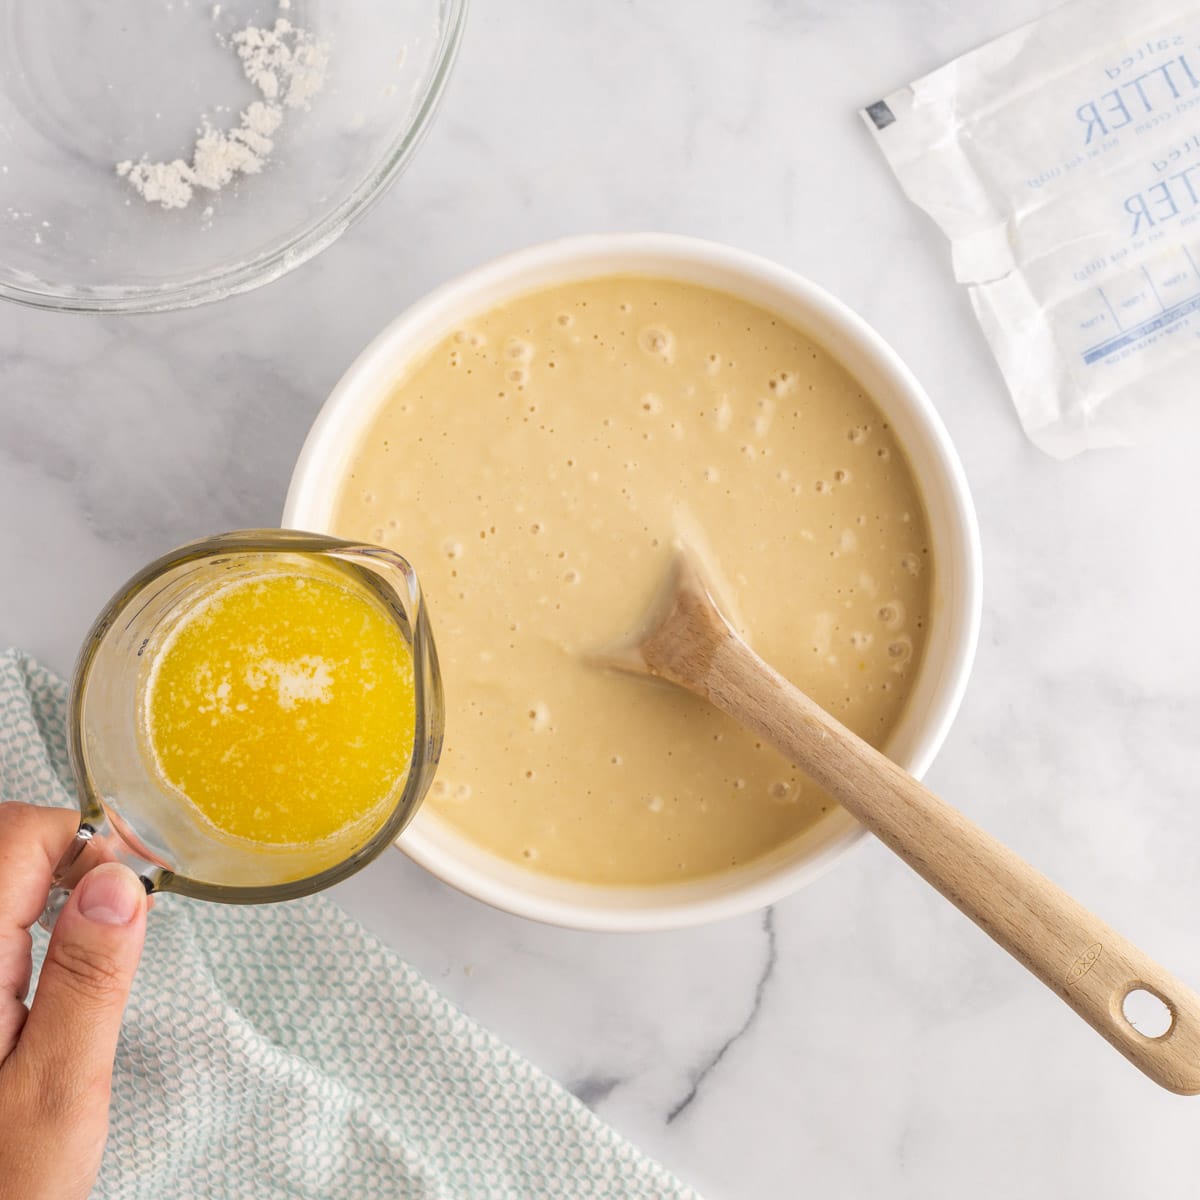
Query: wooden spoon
point(688, 642)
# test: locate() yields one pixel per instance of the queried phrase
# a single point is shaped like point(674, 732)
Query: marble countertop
point(862, 1038)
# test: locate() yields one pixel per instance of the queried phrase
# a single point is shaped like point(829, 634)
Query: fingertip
point(110, 894)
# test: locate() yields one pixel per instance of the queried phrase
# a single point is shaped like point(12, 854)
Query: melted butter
point(282, 707)
point(537, 465)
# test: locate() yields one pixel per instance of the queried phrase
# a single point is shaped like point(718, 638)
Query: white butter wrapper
point(1063, 163)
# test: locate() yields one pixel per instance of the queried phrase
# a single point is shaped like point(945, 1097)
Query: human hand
point(56, 1057)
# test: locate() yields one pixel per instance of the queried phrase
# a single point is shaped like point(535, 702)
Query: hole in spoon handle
point(1147, 1013)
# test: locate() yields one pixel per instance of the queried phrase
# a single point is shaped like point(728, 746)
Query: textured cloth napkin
point(281, 1051)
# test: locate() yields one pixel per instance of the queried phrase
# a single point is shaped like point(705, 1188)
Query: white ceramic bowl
point(954, 621)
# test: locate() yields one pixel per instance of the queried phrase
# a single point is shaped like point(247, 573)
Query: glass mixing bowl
point(88, 84)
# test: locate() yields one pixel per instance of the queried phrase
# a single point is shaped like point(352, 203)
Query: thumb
point(70, 1038)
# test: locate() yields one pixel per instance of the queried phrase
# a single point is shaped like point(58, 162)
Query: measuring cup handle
point(76, 861)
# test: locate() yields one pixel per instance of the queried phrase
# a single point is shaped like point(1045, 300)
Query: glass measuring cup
point(128, 813)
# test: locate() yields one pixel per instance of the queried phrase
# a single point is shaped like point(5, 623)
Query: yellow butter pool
point(281, 707)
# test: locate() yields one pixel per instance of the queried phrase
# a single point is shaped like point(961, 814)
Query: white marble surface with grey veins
point(861, 1039)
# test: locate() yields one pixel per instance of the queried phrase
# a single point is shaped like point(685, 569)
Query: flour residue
point(286, 64)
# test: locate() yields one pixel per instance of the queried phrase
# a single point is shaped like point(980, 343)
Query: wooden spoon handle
point(1090, 966)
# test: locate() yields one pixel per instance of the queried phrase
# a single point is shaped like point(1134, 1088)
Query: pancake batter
point(535, 467)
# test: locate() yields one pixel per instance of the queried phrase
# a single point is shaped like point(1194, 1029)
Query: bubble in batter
point(900, 651)
point(658, 341)
point(783, 791)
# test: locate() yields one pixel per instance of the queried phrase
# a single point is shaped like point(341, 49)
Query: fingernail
point(110, 894)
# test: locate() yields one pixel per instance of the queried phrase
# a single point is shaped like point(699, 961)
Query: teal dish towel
point(282, 1052)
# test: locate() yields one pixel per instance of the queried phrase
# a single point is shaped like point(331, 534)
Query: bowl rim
point(516, 273)
point(314, 237)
